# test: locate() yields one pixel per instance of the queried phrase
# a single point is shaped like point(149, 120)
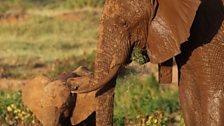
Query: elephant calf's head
point(52, 103)
point(47, 100)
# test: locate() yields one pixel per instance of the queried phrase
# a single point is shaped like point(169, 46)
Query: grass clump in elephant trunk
point(139, 55)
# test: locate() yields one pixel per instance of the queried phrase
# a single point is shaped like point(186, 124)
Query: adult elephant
point(192, 31)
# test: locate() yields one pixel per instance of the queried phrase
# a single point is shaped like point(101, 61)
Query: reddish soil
point(12, 18)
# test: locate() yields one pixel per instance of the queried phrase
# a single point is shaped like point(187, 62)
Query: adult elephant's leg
point(189, 97)
point(201, 85)
point(201, 66)
point(105, 102)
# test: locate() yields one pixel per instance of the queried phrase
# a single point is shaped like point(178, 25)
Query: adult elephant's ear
point(169, 27)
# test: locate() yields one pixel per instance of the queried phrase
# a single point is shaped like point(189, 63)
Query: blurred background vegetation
point(49, 37)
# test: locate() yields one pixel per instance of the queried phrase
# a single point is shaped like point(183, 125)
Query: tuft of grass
point(139, 55)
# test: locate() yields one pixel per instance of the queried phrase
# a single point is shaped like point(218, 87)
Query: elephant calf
point(54, 105)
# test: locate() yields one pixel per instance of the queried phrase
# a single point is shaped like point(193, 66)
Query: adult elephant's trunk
point(113, 49)
point(123, 24)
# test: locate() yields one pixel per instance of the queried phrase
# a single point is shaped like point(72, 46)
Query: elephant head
point(159, 26)
point(52, 102)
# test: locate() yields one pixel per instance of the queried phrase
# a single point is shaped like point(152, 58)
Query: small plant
point(12, 111)
point(15, 115)
point(158, 119)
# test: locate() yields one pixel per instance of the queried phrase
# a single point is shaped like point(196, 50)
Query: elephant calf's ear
point(170, 27)
point(84, 107)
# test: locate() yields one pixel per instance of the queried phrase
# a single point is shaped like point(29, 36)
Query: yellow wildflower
point(13, 106)
point(155, 121)
point(9, 109)
point(27, 115)
point(148, 122)
point(16, 117)
point(138, 116)
point(17, 111)
point(20, 115)
point(24, 113)
point(22, 118)
point(160, 115)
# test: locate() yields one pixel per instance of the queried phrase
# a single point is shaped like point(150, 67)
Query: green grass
point(44, 40)
point(47, 39)
point(69, 4)
point(7, 5)
point(136, 98)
